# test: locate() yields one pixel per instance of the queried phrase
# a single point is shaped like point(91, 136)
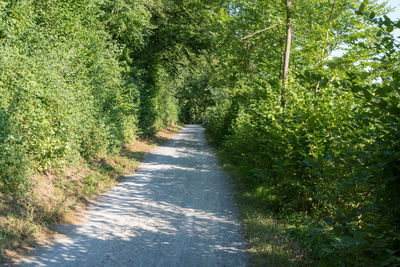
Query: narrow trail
point(176, 210)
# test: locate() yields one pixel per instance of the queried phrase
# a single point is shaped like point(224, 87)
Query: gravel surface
point(176, 210)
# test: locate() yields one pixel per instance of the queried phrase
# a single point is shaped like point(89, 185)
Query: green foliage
point(63, 93)
point(12, 165)
point(330, 157)
point(176, 42)
point(79, 78)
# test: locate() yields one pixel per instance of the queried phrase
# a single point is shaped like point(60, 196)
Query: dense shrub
point(67, 87)
point(78, 78)
point(12, 165)
point(325, 160)
point(333, 157)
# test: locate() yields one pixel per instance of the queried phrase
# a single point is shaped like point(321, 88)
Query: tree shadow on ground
point(176, 210)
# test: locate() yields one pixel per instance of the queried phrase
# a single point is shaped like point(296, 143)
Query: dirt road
point(176, 210)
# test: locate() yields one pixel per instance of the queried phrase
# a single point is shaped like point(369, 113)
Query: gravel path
point(176, 210)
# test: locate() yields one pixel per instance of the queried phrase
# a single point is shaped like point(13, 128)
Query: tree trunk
point(287, 50)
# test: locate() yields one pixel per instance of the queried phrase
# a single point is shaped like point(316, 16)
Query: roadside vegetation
point(270, 242)
point(316, 144)
point(302, 95)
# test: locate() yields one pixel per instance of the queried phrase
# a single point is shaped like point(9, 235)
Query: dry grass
point(61, 196)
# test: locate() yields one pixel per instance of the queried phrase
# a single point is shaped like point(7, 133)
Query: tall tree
point(286, 57)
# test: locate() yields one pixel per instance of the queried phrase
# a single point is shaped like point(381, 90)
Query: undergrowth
point(270, 242)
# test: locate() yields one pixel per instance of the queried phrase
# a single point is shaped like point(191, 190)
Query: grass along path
point(269, 241)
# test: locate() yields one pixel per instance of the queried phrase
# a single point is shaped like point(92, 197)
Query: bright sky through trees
point(395, 15)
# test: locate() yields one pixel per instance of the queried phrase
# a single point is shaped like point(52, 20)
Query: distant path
point(176, 210)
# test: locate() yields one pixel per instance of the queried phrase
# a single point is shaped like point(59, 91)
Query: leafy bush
point(12, 164)
point(63, 82)
point(75, 81)
point(329, 156)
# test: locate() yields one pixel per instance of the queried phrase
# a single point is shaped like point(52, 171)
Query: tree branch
point(259, 31)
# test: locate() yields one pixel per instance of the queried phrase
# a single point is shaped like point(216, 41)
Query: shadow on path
point(176, 210)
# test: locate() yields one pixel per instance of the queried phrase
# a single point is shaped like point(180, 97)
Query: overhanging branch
point(260, 31)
